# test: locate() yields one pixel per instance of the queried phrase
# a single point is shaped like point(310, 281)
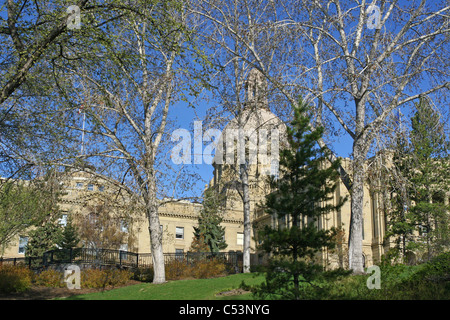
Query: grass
point(428, 281)
point(195, 289)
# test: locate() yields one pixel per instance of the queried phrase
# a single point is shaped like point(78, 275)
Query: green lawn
point(198, 289)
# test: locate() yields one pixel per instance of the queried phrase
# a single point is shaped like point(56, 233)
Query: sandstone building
point(83, 192)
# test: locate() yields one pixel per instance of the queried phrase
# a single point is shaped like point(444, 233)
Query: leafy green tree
point(18, 210)
point(300, 197)
point(209, 230)
point(27, 204)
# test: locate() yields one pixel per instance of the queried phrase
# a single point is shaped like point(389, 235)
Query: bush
point(15, 278)
point(196, 268)
point(438, 269)
point(177, 269)
point(208, 268)
point(97, 278)
point(428, 281)
point(144, 274)
point(49, 278)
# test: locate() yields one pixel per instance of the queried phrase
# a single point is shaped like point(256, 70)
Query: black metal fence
point(96, 257)
point(231, 259)
point(29, 262)
point(119, 258)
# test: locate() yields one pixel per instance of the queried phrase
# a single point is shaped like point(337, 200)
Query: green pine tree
point(422, 161)
point(43, 239)
point(429, 179)
point(299, 198)
point(69, 236)
point(208, 227)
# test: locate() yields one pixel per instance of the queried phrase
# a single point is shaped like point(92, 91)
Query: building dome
point(255, 127)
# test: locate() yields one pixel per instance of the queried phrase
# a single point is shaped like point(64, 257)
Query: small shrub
point(15, 279)
point(177, 269)
point(144, 274)
point(97, 278)
point(119, 277)
point(208, 268)
point(49, 278)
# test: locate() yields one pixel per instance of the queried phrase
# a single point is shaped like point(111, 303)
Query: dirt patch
point(234, 292)
point(45, 293)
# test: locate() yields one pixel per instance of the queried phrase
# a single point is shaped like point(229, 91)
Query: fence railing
point(120, 258)
point(29, 262)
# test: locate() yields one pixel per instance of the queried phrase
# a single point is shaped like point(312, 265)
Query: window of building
point(79, 185)
point(90, 187)
point(101, 188)
point(23, 241)
point(362, 226)
point(179, 233)
point(240, 239)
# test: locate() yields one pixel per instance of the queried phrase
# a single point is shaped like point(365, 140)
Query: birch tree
point(377, 57)
point(357, 62)
point(125, 89)
point(235, 32)
point(33, 35)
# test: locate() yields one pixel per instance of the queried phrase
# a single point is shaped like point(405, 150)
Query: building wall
point(179, 214)
point(184, 214)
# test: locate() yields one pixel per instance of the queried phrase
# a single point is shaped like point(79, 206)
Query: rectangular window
point(179, 233)
point(240, 239)
point(90, 187)
point(374, 216)
point(23, 241)
point(101, 188)
point(362, 226)
point(79, 185)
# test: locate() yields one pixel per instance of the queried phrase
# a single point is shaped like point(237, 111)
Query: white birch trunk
point(247, 223)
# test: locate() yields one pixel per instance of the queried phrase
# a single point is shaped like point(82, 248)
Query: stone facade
point(179, 217)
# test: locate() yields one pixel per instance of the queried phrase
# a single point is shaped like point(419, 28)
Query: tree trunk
point(357, 200)
point(247, 224)
point(155, 238)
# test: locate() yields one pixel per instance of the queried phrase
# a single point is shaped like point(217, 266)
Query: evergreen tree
point(43, 238)
point(419, 205)
point(429, 179)
point(69, 236)
point(301, 196)
point(209, 228)
point(400, 225)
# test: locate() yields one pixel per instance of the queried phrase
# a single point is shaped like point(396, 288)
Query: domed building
point(250, 142)
point(248, 151)
point(246, 154)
